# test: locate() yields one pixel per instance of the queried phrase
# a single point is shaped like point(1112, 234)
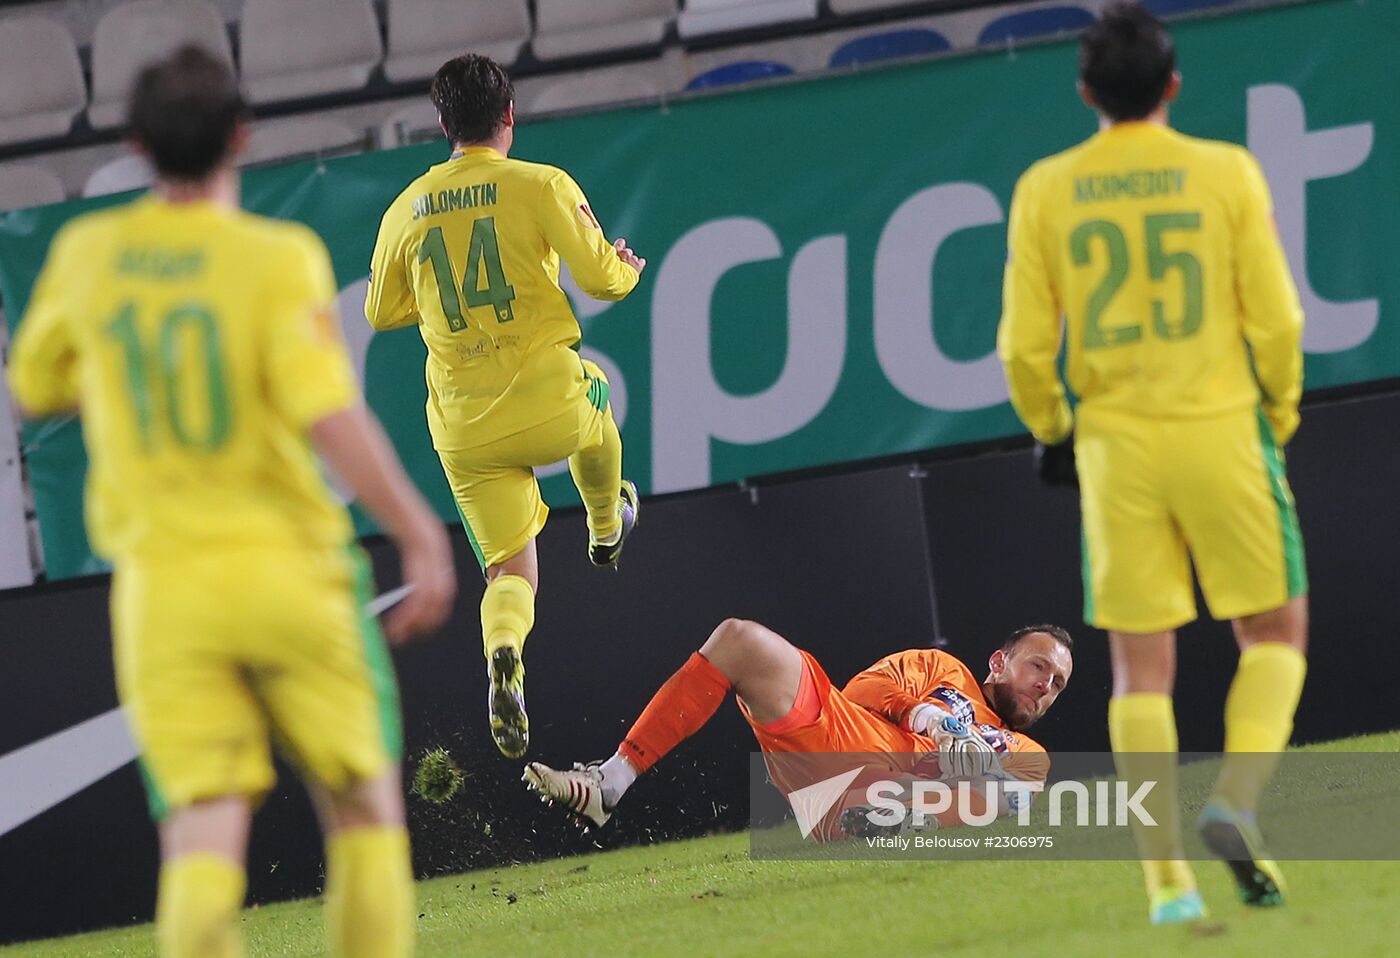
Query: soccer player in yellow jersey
point(202, 348)
point(470, 253)
point(1154, 257)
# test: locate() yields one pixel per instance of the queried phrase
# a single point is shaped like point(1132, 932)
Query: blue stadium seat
point(745, 72)
point(1168, 7)
point(887, 46)
point(1035, 23)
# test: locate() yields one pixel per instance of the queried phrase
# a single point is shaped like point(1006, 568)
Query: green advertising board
point(826, 255)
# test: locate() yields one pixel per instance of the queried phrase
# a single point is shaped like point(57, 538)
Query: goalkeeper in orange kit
point(898, 707)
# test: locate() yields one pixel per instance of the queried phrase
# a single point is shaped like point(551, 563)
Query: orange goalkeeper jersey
point(897, 683)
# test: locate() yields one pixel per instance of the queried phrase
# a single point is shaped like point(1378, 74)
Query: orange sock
point(677, 711)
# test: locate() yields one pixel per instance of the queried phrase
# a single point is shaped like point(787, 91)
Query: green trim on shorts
point(1294, 564)
point(471, 536)
point(381, 667)
point(1084, 574)
point(155, 798)
point(598, 392)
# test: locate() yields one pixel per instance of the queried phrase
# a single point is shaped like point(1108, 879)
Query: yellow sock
point(597, 473)
point(197, 910)
point(369, 893)
point(507, 613)
point(1142, 727)
point(1259, 719)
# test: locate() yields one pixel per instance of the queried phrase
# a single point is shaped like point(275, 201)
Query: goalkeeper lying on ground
point(898, 707)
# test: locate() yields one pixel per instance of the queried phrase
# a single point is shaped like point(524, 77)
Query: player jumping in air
point(1155, 257)
point(202, 346)
point(470, 253)
point(895, 707)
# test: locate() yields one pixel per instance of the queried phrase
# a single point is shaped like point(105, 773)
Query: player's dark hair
point(472, 94)
point(1054, 631)
point(1126, 59)
point(184, 110)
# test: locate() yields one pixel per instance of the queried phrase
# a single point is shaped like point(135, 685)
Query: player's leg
point(369, 872)
point(502, 512)
point(203, 744)
point(1239, 517)
point(1137, 585)
point(760, 665)
point(610, 502)
point(329, 687)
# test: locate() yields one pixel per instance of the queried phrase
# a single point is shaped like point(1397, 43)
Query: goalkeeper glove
point(962, 751)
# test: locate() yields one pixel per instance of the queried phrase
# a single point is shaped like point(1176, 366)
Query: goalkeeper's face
point(1025, 681)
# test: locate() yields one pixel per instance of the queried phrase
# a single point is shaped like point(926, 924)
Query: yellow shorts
point(217, 654)
point(1158, 494)
point(494, 484)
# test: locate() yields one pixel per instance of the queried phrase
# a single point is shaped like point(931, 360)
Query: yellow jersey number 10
point(155, 380)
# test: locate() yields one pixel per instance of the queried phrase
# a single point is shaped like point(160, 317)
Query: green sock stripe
point(381, 667)
point(155, 798)
point(1294, 564)
point(471, 537)
point(1084, 571)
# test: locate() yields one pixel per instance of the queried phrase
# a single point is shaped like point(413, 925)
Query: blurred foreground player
point(897, 707)
point(1182, 329)
point(469, 253)
point(202, 347)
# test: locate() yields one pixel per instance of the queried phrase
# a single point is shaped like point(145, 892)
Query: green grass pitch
point(707, 898)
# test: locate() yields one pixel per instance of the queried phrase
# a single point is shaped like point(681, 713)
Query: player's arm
point(1028, 339)
point(1273, 317)
point(43, 365)
point(389, 302)
point(310, 382)
point(570, 227)
point(893, 686)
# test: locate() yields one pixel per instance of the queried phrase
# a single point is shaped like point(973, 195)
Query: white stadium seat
point(130, 172)
point(303, 137)
point(424, 34)
point(24, 184)
point(132, 35)
point(843, 7)
point(302, 48)
point(618, 84)
point(702, 17)
point(570, 28)
point(413, 122)
point(41, 80)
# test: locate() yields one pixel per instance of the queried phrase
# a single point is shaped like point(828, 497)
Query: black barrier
point(838, 564)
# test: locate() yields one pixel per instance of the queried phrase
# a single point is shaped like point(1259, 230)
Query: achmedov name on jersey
point(1134, 184)
point(461, 198)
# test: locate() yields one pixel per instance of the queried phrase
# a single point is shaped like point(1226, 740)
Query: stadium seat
point(1168, 7)
point(889, 46)
point(843, 7)
point(413, 122)
point(703, 17)
point(41, 80)
point(650, 79)
point(1035, 23)
point(24, 184)
point(302, 138)
point(746, 72)
point(424, 34)
point(302, 48)
point(129, 172)
point(139, 31)
point(568, 28)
